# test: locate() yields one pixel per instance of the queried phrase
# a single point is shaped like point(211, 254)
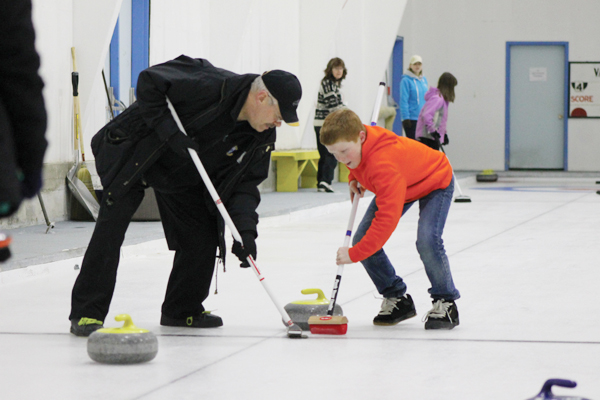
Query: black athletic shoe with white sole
point(443, 315)
point(395, 310)
point(206, 320)
point(325, 187)
point(85, 326)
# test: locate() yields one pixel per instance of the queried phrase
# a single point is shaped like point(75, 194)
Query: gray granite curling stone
point(126, 345)
point(487, 175)
point(301, 310)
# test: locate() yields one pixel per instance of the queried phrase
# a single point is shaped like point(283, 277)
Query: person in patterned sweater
point(329, 100)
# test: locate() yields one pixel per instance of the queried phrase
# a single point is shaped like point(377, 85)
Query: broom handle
point(338, 277)
point(112, 113)
point(77, 107)
point(378, 101)
point(340, 271)
point(228, 221)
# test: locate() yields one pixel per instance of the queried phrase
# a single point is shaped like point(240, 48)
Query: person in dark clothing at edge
point(22, 113)
point(231, 121)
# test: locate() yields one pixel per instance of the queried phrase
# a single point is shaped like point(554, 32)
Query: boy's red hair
point(341, 125)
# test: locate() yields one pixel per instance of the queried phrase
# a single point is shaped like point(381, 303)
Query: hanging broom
point(83, 174)
point(83, 205)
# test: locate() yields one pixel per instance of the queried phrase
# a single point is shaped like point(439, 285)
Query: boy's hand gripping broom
point(293, 330)
point(338, 325)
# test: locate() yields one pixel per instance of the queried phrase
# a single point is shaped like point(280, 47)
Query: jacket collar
point(237, 86)
point(411, 74)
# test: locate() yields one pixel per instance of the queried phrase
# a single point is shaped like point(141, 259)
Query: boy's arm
point(390, 196)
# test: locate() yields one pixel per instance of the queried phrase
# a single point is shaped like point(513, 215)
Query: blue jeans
point(433, 211)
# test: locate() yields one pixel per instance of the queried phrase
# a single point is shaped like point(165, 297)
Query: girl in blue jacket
point(413, 87)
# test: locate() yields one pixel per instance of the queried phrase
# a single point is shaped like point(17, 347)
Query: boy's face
point(349, 153)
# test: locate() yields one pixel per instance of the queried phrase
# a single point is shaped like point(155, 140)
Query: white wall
point(245, 36)
point(468, 38)
point(60, 25)
point(54, 38)
point(298, 36)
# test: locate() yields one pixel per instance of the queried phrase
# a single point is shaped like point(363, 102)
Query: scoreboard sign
point(584, 90)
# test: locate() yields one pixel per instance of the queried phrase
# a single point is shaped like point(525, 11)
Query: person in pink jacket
point(431, 125)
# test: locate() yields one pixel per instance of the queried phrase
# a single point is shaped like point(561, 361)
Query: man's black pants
point(191, 231)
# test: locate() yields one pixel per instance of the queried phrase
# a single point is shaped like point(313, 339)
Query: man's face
point(266, 114)
point(349, 153)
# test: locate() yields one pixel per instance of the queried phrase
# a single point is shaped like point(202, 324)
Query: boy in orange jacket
point(399, 171)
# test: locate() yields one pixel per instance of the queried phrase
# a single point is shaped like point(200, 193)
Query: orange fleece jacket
point(398, 170)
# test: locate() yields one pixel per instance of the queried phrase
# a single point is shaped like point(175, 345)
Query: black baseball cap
point(285, 87)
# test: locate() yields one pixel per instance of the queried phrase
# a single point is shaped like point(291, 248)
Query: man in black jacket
point(231, 121)
point(22, 112)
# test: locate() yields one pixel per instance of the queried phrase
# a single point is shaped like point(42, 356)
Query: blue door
point(536, 110)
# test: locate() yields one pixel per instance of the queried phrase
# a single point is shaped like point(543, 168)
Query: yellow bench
point(344, 172)
point(293, 164)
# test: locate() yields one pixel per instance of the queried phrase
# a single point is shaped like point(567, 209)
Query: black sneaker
point(395, 309)
point(206, 320)
point(85, 326)
point(325, 187)
point(443, 315)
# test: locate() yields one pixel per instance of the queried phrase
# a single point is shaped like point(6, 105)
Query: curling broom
point(83, 174)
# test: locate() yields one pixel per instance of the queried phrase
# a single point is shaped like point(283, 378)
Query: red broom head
point(328, 325)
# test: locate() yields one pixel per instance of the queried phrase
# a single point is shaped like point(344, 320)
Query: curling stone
point(546, 393)
point(487, 175)
point(301, 310)
point(126, 345)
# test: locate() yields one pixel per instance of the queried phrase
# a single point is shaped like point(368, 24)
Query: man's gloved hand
point(180, 143)
point(31, 184)
point(446, 140)
point(407, 124)
point(249, 248)
point(436, 137)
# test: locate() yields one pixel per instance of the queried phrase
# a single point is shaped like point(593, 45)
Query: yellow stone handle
point(318, 292)
point(128, 326)
point(128, 321)
point(321, 299)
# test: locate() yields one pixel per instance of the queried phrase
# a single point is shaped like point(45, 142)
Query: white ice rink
point(525, 255)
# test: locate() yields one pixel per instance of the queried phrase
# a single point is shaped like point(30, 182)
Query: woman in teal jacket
point(413, 87)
